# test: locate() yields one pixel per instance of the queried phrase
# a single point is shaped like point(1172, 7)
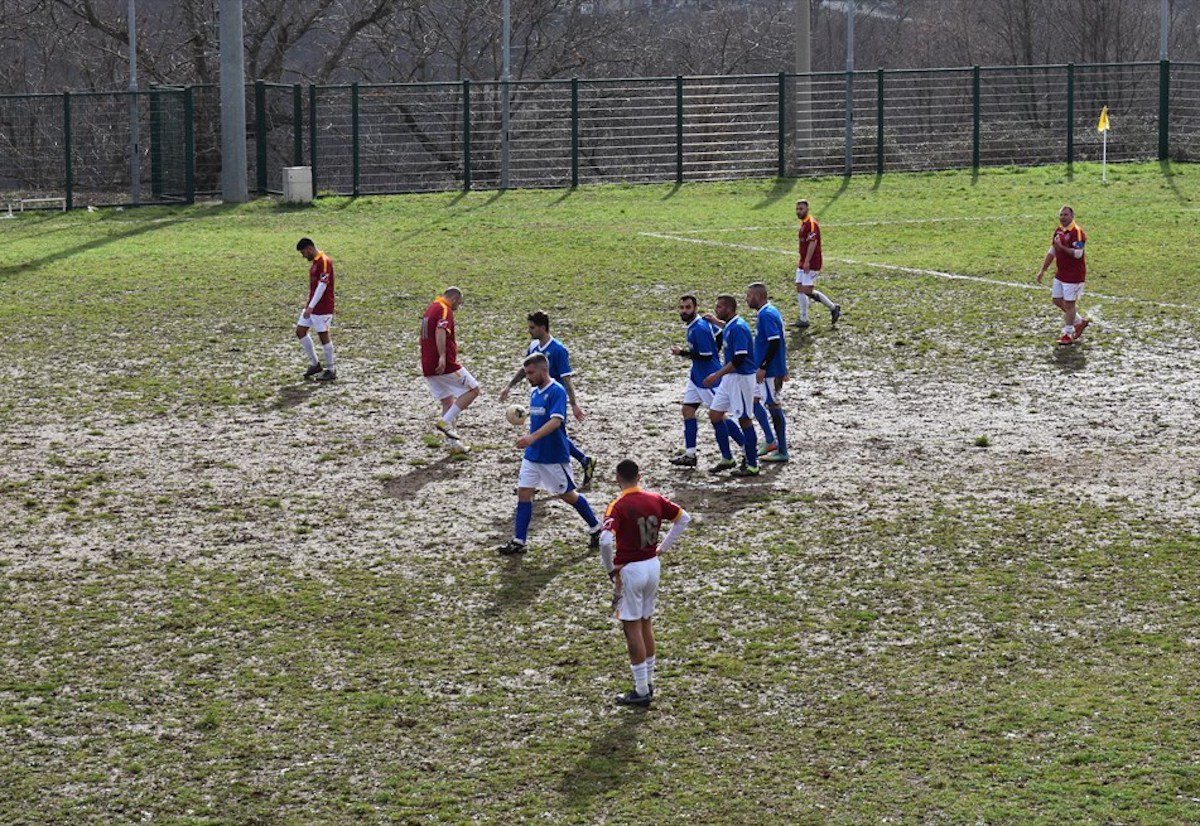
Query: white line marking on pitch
point(867, 223)
point(953, 276)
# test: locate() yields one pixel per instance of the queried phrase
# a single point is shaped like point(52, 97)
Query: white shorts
point(451, 384)
point(806, 278)
point(697, 395)
point(735, 396)
point(1067, 292)
point(318, 323)
point(639, 587)
point(552, 478)
point(764, 391)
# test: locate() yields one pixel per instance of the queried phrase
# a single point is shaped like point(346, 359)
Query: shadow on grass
point(1165, 168)
point(609, 762)
point(672, 191)
point(293, 394)
point(523, 581)
point(833, 199)
point(782, 187)
point(408, 485)
point(567, 193)
point(1071, 359)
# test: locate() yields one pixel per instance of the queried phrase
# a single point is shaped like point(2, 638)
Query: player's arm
point(316, 296)
point(1046, 262)
point(556, 421)
point(814, 244)
point(512, 383)
point(680, 520)
point(771, 350)
point(570, 388)
point(440, 338)
point(608, 542)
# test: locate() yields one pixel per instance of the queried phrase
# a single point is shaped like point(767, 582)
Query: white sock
point(1078, 318)
point(650, 670)
point(328, 348)
point(306, 345)
point(824, 299)
point(451, 414)
point(690, 452)
point(640, 684)
point(803, 306)
point(1069, 330)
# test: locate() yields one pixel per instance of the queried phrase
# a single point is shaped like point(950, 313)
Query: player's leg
point(1068, 330)
point(744, 409)
point(761, 394)
point(588, 463)
point(307, 348)
point(691, 429)
point(322, 330)
point(648, 643)
point(780, 454)
point(523, 516)
point(630, 610)
point(463, 390)
point(721, 429)
point(563, 485)
point(1080, 322)
point(803, 291)
point(649, 595)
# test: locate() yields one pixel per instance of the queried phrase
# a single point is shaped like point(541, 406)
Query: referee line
point(951, 276)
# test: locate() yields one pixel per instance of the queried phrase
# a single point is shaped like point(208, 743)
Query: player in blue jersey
point(735, 383)
point(704, 351)
point(771, 350)
point(560, 370)
point(547, 460)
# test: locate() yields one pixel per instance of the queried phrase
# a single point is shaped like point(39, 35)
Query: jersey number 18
point(648, 525)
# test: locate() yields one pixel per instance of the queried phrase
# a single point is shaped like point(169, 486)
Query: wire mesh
point(1185, 111)
point(32, 159)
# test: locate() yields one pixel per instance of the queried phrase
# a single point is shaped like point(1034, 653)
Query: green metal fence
point(413, 137)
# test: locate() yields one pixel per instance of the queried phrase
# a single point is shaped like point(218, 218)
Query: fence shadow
point(1169, 175)
point(833, 198)
point(782, 187)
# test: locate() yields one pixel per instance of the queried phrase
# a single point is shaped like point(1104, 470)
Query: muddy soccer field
point(228, 595)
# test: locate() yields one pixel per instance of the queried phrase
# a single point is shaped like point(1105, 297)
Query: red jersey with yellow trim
point(810, 236)
point(634, 518)
point(1068, 268)
point(439, 316)
point(321, 272)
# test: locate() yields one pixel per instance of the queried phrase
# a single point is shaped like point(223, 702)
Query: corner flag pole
point(1102, 127)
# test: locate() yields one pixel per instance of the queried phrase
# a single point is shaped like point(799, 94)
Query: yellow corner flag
point(1103, 126)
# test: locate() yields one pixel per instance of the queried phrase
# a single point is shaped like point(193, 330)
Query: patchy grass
point(230, 596)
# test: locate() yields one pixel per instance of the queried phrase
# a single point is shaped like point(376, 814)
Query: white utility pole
point(135, 144)
point(504, 77)
point(234, 188)
point(850, 13)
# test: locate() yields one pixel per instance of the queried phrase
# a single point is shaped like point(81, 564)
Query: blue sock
point(751, 444)
point(721, 430)
point(690, 429)
point(764, 421)
point(735, 432)
point(579, 455)
point(780, 429)
point(585, 510)
point(524, 517)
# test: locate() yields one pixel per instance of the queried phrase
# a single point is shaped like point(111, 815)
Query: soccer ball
point(516, 414)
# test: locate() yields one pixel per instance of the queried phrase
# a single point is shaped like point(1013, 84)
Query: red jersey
point(810, 236)
point(321, 272)
point(634, 518)
point(439, 316)
point(1067, 268)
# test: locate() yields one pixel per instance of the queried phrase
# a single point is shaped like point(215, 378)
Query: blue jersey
point(546, 403)
point(702, 341)
point(769, 327)
point(556, 354)
point(738, 340)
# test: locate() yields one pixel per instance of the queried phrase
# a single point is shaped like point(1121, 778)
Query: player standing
point(735, 385)
point(547, 461)
point(703, 349)
point(771, 350)
point(809, 267)
point(318, 312)
point(559, 359)
point(629, 550)
point(448, 381)
point(1070, 271)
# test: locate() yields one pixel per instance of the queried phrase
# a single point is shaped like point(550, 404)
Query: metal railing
point(414, 137)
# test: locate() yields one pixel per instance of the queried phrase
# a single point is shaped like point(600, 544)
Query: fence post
point(297, 127)
point(781, 119)
point(312, 134)
point(1164, 110)
point(574, 132)
point(879, 120)
point(466, 134)
point(260, 135)
point(189, 147)
point(1070, 114)
point(156, 183)
point(679, 129)
point(355, 145)
point(975, 118)
point(68, 169)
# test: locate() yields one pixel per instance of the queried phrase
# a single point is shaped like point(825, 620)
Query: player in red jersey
point(1070, 271)
point(318, 312)
point(809, 266)
point(630, 531)
point(448, 381)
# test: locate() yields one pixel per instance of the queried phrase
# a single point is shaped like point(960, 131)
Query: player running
point(704, 351)
point(629, 551)
point(547, 461)
point(810, 267)
point(560, 370)
point(1070, 271)
point(771, 350)
point(448, 381)
point(318, 312)
point(735, 385)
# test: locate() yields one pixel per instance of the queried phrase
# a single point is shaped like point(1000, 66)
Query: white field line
point(952, 276)
point(879, 223)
